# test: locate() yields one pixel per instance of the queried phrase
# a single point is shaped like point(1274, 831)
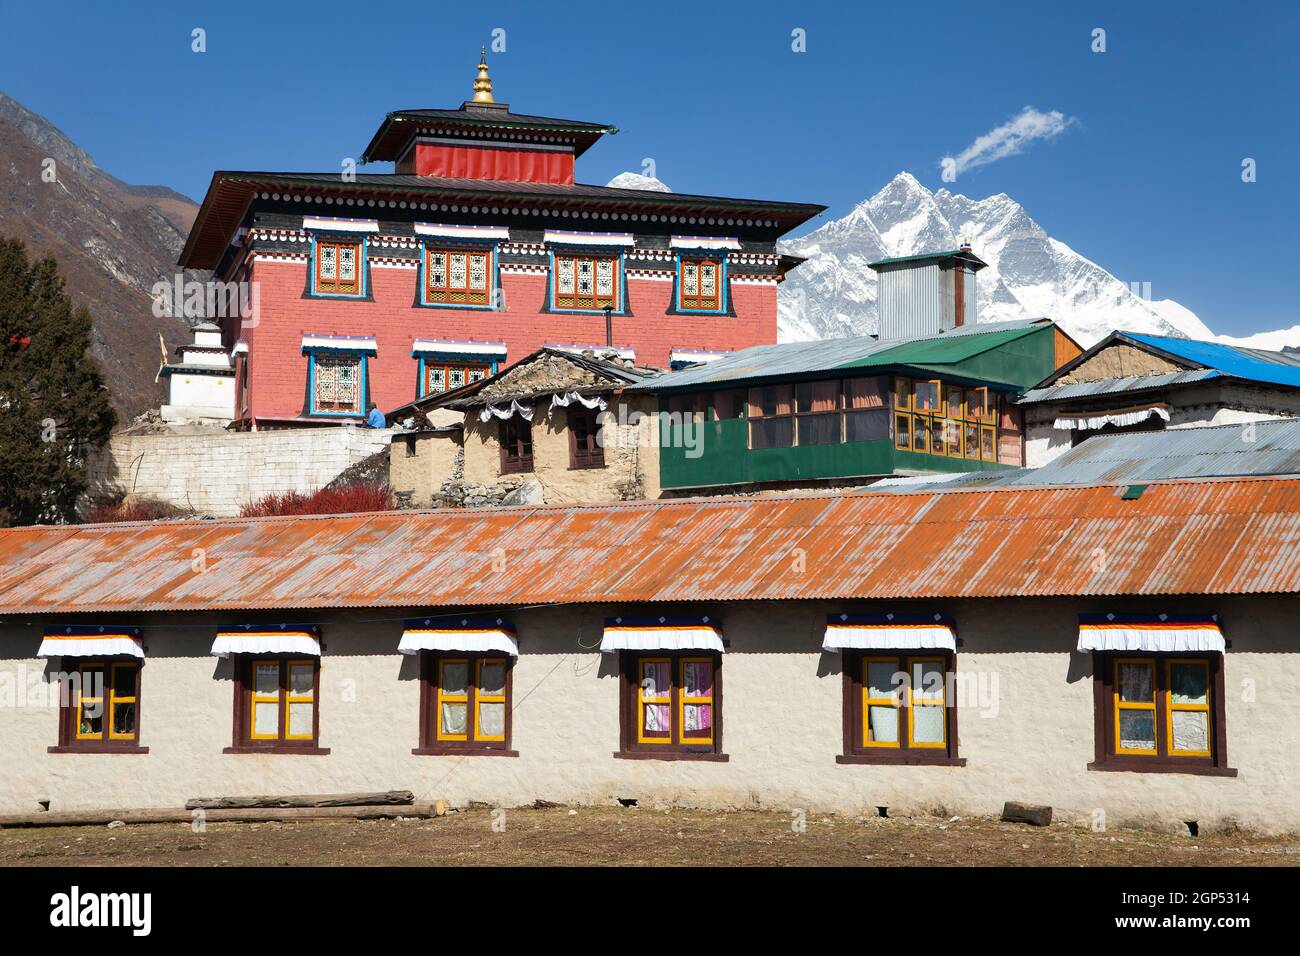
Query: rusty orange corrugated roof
point(1225, 536)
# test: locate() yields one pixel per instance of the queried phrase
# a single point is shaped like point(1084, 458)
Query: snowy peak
point(1029, 274)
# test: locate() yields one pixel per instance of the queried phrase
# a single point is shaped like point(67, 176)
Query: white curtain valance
point(846, 633)
point(564, 401)
point(332, 224)
point(82, 642)
point(663, 634)
point(343, 343)
point(565, 238)
point(470, 636)
point(704, 242)
point(503, 412)
point(1152, 636)
point(264, 641)
point(461, 232)
point(1121, 417)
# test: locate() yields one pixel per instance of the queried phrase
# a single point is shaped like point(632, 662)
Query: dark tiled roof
point(395, 132)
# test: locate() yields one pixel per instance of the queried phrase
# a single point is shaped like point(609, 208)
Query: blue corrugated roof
point(1276, 368)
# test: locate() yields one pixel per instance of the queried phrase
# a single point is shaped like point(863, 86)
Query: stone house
point(555, 427)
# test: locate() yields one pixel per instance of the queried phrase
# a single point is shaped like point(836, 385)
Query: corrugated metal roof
point(1109, 386)
point(1258, 365)
point(826, 355)
point(1201, 537)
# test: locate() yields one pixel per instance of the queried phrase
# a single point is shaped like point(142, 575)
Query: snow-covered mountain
point(1030, 274)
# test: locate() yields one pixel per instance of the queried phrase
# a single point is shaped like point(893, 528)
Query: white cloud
point(1010, 138)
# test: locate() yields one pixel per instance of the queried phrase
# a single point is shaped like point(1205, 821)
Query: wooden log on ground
point(1031, 813)
point(382, 798)
point(85, 818)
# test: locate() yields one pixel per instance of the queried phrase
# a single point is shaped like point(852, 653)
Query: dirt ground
point(589, 836)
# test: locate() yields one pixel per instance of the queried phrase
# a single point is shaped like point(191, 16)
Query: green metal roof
point(923, 256)
point(943, 350)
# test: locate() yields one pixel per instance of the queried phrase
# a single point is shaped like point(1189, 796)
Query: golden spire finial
point(483, 82)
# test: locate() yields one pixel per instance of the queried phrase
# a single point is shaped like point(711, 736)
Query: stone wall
point(216, 472)
point(420, 463)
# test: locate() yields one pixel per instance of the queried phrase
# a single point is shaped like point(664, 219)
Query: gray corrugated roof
point(1227, 451)
point(1109, 386)
point(793, 358)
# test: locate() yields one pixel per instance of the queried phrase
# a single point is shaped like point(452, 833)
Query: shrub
point(344, 499)
point(133, 509)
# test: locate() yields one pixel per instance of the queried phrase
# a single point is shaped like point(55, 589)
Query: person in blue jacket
point(374, 417)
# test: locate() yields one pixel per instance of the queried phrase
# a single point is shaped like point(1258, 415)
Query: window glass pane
point(927, 725)
point(1191, 730)
point(92, 719)
point(492, 677)
point(437, 269)
point(708, 280)
point(266, 718)
point(605, 277)
point(728, 405)
point(882, 724)
point(819, 429)
point(453, 717)
point(927, 396)
point(302, 678)
point(657, 717)
point(328, 262)
point(124, 681)
point(927, 680)
point(956, 399)
point(491, 720)
point(697, 719)
point(772, 433)
point(698, 678)
point(457, 270)
point(1187, 683)
point(300, 719)
point(1135, 683)
point(123, 719)
point(655, 681)
point(902, 393)
point(903, 431)
point(690, 279)
point(988, 451)
point(478, 271)
point(1137, 730)
point(938, 432)
point(921, 434)
point(867, 426)
point(454, 677)
point(347, 263)
point(266, 677)
point(864, 392)
point(564, 279)
point(817, 396)
point(972, 441)
point(883, 679)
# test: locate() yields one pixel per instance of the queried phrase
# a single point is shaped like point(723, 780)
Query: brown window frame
point(586, 452)
point(430, 744)
point(338, 286)
point(469, 368)
point(447, 294)
point(853, 664)
point(575, 301)
point(69, 708)
point(1106, 756)
point(514, 461)
point(244, 742)
point(630, 746)
point(700, 302)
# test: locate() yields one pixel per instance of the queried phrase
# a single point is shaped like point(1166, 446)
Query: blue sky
point(1146, 180)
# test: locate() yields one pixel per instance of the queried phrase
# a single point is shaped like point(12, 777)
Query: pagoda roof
point(395, 132)
point(230, 193)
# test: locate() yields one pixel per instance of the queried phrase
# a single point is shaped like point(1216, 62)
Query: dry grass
point(631, 837)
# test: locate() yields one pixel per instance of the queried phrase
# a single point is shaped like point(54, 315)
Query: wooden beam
point(86, 818)
point(382, 798)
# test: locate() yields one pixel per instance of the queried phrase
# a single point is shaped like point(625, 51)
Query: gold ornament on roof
point(483, 82)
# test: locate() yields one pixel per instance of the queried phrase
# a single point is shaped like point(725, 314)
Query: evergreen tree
point(54, 407)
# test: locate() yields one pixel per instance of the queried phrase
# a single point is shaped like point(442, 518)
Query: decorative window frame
point(904, 753)
point(69, 741)
point(718, 256)
point(593, 458)
point(518, 464)
point(617, 253)
point(1107, 755)
point(309, 403)
point(437, 244)
point(631, 746)
point(424, 359)
point(360, 239)
point(430, 744)
point(242, 722)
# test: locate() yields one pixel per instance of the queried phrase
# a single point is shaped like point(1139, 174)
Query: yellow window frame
point(482, 698)
point(1120, 706)
point(902, 390)
point(114, 700)
point(642, 700)
point(898, 432)
point(868, 702)
point(915, 700)
point(683, 700)
point(1193, 708)
point(451, 699)
point(82, 699)
point(290, 698)
point(256, 698)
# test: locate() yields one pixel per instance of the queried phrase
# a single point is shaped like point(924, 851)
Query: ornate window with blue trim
point(701, 283)
point(458, 276)
point(338, 266)
point(336, 382)
point(584, 282)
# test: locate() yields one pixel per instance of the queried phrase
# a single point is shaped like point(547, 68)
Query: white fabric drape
point(472, 640)
point(495, 411)
point(1119, 418)
point(265, 642)
point(700, 637)
point(882, 637)
point(90, 645)
point(1153, 638)
point(564, 401)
